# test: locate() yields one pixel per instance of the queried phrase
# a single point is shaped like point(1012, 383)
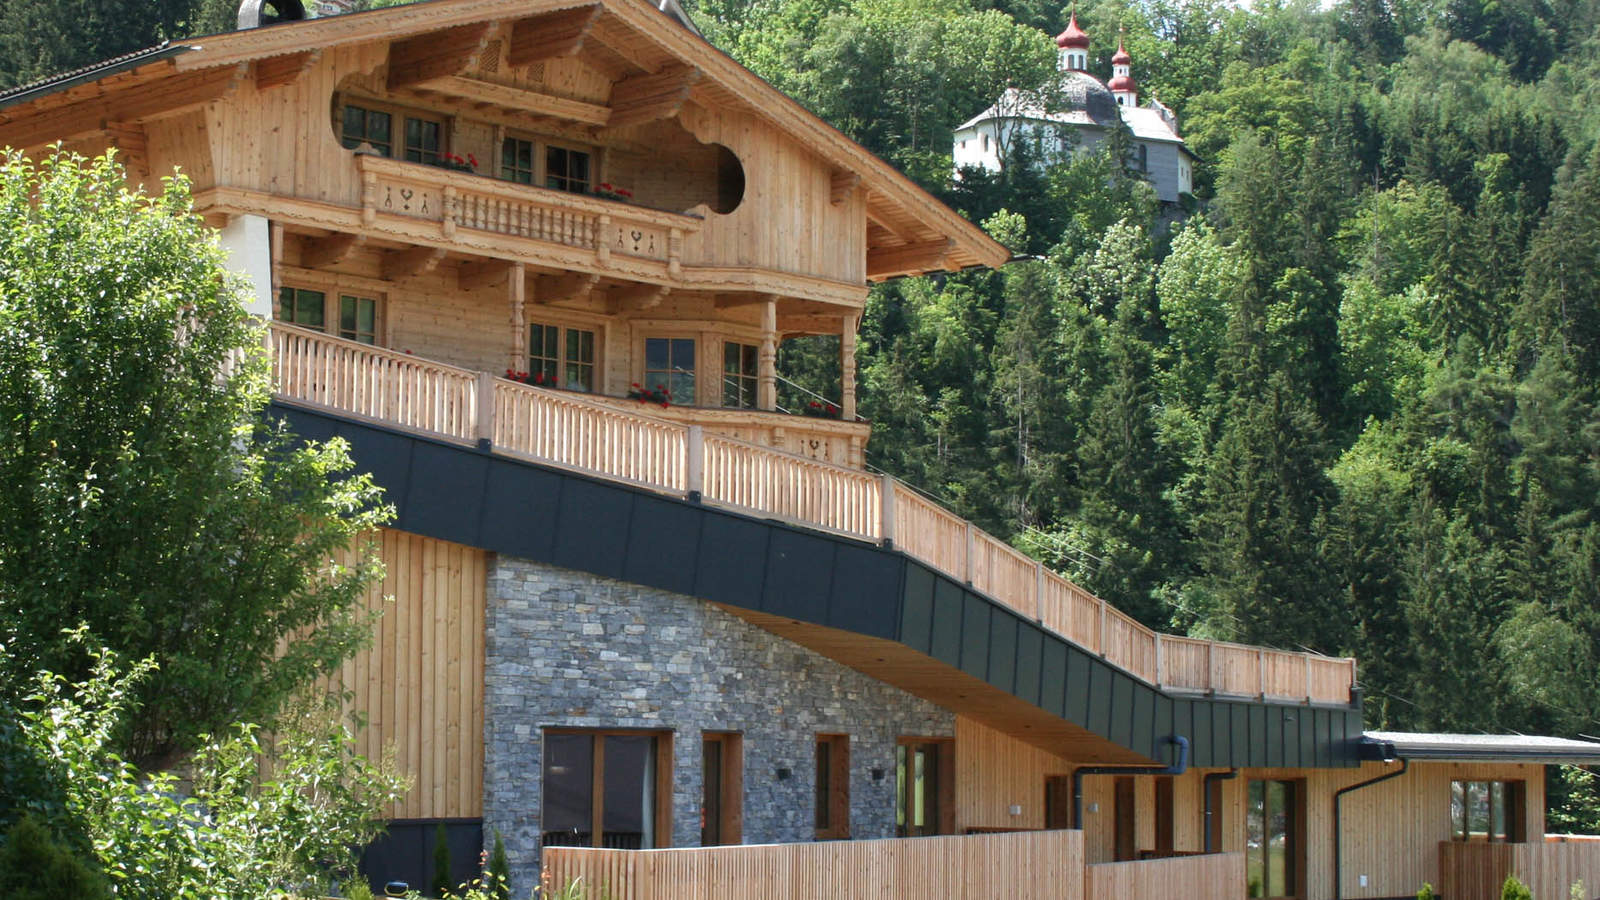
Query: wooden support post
point(767, 357)
point(517, 296)
point(1211, 667)
point(1159, 679)
point(969, 553)
point(1102, 648)
point(485, 409)
point(1038, 592)
point(847, 368)
point(1307, 658)
point(452, 213)
point(886, 511)
point(1261, 673)
point(695, 463)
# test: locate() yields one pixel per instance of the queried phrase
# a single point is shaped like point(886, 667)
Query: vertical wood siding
point(420, 684)
point(1047, 864)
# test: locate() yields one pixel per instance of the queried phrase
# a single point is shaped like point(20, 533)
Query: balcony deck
point(606, 440)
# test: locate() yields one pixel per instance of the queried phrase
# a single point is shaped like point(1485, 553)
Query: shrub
point(1427, 892)
point(440, 886)
point(1515, 890)
point(500, 868)
point(35, 866)
point(247, 829)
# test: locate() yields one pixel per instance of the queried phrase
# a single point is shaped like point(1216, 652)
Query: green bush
point(1427, 892)
point(440, 887)
point(500, 869)
point(35, 866)
point(243, 830)
point(1515, 890)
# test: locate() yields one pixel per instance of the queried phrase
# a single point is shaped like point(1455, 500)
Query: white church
point(1088, 109)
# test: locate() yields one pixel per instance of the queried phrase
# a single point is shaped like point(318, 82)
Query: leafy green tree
point(144, 493)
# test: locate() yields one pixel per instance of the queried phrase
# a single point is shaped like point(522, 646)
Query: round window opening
point(730, 182)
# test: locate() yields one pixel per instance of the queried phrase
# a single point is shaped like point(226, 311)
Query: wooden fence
point(1020, 865)
point(1218, 875)
point(1474, 870)
point(566, 429)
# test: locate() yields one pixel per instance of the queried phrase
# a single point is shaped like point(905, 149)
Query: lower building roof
point(1480, 747)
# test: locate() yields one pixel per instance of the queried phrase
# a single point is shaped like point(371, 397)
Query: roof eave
point(66, 81)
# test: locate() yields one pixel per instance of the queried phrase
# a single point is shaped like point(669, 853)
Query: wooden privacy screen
point(1032, 865)
point(1474, 870)
point(420, 683)
point(566, 429)
point(1215, 875)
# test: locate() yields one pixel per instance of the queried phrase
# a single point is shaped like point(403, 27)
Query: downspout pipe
point(1078, 774)
point(1338, 832)
point(1213, 778)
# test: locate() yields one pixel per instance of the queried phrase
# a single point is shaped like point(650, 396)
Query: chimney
point(255, 13)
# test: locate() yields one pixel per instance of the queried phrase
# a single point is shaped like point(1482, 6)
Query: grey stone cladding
point(568, 649)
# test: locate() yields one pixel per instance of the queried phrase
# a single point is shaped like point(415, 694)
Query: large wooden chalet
point(642, 615)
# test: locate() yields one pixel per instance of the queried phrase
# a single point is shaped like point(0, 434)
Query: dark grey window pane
point(568, 790)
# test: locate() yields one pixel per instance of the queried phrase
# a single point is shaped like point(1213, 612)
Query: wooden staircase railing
point(566, 429)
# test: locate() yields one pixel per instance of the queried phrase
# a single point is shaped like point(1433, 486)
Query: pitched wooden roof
point(907, 226)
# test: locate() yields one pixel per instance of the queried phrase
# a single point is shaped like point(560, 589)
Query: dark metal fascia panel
point(561, 518)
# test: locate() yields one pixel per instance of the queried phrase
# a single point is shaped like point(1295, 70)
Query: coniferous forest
point(1347, 401)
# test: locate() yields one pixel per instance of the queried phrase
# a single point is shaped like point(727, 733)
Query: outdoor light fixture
point(784, 773)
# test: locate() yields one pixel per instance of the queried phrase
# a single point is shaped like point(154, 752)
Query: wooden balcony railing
point(462, 200)
point(597, 438)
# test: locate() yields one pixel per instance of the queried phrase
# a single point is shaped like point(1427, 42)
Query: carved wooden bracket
point(551, 36)
point(328, 251)
point(556, 288)
point(276, 71)
point(650, 98)
point(430, 56)
point(411, 262)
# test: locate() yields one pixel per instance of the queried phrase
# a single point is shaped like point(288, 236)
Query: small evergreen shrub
point(1427, 892)
point(35, 866)
point(1515, 890)
point(500, 869)
point(440, 886)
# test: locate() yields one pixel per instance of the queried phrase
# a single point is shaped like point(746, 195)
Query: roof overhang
point(1510, 748)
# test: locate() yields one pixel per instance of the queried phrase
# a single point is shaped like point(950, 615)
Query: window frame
point(831, 786)
point(747, 387)
point(1512, 806)
point(333, 293)
point(940, 795)
point(641, 370)
point(560, 361)
point(1293, 832)
point(399, 116)
point(589, 154)
point(722, 803)
point(662, 788)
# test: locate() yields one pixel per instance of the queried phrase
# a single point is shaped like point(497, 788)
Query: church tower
point(1073, 47)
point(1121, 84)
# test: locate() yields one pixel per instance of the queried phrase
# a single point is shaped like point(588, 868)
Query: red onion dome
point(1121, 83)
point(1121, 58)
point(1073, 36)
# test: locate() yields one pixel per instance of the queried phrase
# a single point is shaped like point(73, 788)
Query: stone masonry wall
point(568, 649)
